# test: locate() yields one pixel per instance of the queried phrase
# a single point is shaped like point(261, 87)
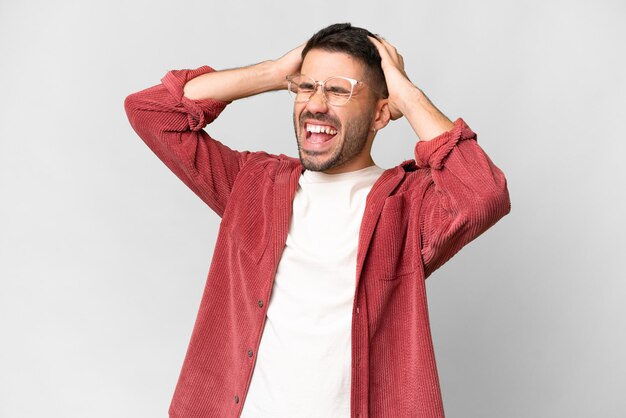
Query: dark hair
point(343, 37)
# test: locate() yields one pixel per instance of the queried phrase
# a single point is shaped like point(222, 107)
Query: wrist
point(271, 76)
point(410, 98)
point(426, 120)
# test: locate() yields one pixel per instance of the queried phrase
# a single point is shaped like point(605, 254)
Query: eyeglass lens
point(337, 90)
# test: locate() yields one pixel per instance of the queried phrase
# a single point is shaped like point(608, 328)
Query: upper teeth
point(320, 128)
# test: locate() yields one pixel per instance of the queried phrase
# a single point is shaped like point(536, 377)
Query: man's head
point(338, 138)
point(343, 37)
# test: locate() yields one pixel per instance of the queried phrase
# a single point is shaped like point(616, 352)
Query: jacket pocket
point(248, 216)
point(392, 250)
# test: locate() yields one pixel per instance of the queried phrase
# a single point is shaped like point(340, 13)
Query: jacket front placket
point(383, 187)
point(284, 188)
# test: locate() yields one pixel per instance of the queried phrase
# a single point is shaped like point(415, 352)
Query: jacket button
point(260, 303)
point(250, 353)
point(236, 399)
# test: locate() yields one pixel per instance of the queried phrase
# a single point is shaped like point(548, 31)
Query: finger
point(388, 53)
point(382, 49)
point(392, 52)
point(376, 41)
point(388, 45)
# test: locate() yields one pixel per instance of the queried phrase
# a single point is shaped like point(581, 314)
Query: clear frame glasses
point(337, 91)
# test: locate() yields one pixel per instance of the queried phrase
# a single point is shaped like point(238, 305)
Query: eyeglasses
point(337, 91)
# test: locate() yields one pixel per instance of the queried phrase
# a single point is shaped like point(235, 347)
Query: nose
point(317, 101)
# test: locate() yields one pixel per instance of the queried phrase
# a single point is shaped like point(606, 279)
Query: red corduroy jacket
point(417, 216)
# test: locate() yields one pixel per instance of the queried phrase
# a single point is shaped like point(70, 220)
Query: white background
point(104, 252)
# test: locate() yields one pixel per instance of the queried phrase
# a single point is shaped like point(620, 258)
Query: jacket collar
point(384, 186)
point(290, 172)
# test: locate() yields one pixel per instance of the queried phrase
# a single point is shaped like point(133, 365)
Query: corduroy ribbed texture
point(418, 215)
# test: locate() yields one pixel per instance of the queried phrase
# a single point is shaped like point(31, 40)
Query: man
point(315, 302)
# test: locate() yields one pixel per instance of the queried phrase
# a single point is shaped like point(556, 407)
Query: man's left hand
point(398, 82)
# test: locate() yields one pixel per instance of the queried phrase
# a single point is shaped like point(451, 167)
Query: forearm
point(229, 85)
point(468, 193)
point(172, 127)
point(426, 120)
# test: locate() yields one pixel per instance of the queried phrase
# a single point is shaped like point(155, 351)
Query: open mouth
point(319, 133)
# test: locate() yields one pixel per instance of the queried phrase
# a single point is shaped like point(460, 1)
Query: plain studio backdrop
point(104, 252)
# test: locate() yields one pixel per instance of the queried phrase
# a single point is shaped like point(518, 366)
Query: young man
point(315, 302)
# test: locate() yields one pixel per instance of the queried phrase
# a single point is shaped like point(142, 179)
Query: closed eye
point(339, 91)
point(306, 86)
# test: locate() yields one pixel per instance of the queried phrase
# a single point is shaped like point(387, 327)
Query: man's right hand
point(289, 64)
point(229, 85)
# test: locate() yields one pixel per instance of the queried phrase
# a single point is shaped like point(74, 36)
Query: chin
point(317, 163)
point(314, 165)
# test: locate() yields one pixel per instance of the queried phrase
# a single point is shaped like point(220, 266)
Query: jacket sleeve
point(467, 194)
point(171, 125)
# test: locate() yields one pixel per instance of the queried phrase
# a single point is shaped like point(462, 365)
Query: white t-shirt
point(304, 359)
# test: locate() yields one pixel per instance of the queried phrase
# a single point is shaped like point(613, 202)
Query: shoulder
point(270, 166)
point(408, 178)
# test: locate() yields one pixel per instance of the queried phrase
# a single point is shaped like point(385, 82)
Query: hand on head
point(290, 63)
point(398, 82)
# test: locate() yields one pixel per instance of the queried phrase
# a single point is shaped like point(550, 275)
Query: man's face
point(334, 139)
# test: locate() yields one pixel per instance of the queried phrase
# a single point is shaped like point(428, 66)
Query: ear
point(382, 115)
